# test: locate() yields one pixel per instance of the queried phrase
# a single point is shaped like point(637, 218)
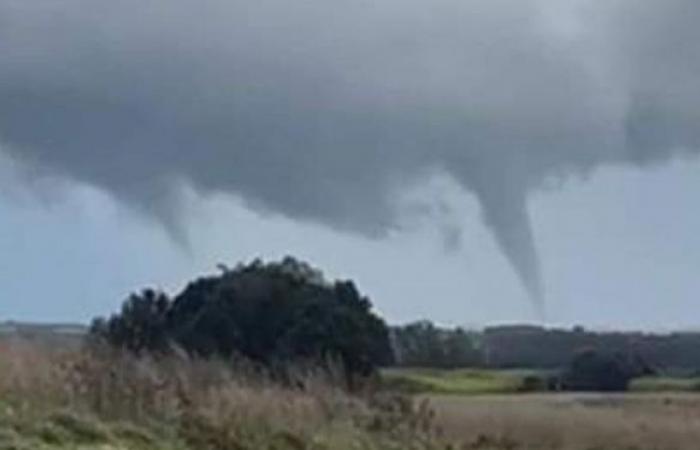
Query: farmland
point(571, 421)
point(459, 381)
point(492, 409)
point(470, 382)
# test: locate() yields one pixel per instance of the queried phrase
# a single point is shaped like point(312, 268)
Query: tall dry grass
point(104, 399)
point(201, 404)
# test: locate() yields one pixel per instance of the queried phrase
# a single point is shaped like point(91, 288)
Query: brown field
point(571, 421)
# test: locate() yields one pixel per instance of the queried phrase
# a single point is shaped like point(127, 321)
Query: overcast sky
point(470, 162)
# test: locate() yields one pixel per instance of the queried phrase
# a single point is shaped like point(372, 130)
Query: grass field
point(665, 384)
point(485, 381)
point(571, 421)
point(63, 429)
point(461, 381)
point(80, 401)
point(490, 410)
point(86, 400)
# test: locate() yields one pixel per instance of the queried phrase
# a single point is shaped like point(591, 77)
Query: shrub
point(593, 370)
point(272, 314)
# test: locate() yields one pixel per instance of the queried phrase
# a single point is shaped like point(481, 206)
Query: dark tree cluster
point(422, 344)
point(597, 370)
point(272, 313)
point(551, 348)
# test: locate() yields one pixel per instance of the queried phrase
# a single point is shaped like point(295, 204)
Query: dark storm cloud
point(320, 110)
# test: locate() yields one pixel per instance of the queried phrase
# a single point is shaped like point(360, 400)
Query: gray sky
point(463, 160)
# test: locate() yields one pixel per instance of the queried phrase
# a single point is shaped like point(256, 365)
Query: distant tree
point(422, 344)
point(595, 370)
point(140, 326)
point(270, 313)
point(551, 348)
point(461, 349)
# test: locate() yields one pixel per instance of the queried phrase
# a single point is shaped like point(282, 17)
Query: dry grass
point(54, 399)
point(51, 399)
point(572, 421)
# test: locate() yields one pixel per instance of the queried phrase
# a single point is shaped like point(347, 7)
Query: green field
point(487, 381)
point(464, 381)
point(665, 384)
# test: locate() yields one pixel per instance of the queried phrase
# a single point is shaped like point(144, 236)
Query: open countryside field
point(570, 421)
point(513, 381)
point(666, 384)
point(490, 410)
point(47, 402)
point(458, 382)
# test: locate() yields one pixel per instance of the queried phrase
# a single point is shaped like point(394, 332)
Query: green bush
point(271, 314)
point(593, 370)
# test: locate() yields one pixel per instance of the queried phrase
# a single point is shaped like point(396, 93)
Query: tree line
point(279, 313)
point(424, 344)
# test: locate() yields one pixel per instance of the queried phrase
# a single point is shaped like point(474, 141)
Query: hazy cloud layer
point(322, 110)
